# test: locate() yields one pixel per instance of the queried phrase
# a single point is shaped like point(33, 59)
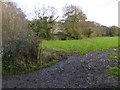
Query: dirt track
point(75, 72)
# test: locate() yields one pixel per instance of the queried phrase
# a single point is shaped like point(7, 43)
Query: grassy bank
point(82, 46)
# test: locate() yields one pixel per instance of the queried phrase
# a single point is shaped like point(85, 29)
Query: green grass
point(114, 57)
point(114, 50)
point(16, 69)
point(82, 46)
point(53, 62)
point(114, 70)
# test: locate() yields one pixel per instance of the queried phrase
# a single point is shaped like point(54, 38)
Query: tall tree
point(75, 21)
point(114, 31)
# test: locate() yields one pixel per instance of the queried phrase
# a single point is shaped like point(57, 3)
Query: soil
point(86, 71)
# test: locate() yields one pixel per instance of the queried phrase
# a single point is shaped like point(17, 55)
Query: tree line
point(73, 25)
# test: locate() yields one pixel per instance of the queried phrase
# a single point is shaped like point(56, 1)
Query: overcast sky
point(104, 12)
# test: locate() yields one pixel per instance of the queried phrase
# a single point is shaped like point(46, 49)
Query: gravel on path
point(87, 71)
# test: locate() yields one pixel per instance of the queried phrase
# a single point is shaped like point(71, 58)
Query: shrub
point(60, 36)
point(19, 51)
point(19, 44)
point(88, 32)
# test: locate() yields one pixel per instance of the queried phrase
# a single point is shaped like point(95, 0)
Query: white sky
point(104, 12)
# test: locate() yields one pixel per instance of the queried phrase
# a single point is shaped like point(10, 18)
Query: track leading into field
point(77, 71)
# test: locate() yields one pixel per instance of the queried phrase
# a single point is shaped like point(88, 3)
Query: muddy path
point(87, 71)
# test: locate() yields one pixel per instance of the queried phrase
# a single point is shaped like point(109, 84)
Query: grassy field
point(82, 46)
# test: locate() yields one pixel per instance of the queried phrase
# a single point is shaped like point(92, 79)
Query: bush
point(60, 36)
point(20, 44)
point(88, 32)
point(18, 51)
